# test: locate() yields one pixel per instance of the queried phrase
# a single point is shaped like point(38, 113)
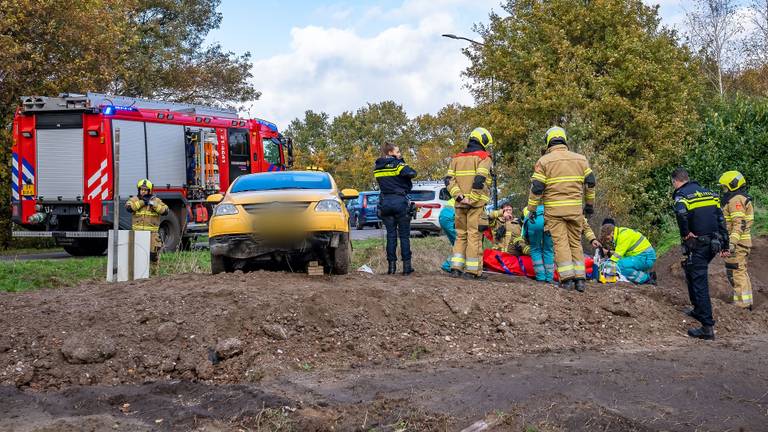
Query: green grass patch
point(29, 275)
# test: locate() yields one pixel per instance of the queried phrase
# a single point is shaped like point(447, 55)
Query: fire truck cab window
point(238, 142)
point(272, 151)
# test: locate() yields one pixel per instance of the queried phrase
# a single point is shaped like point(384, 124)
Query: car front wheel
point(342, 255)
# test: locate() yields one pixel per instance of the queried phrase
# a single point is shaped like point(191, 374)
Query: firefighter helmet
point(555, 135)
point(732, 180)
point(482, 136)
point(144, 183)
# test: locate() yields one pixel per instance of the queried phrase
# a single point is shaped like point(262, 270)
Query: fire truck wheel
point(220, 264)
point(170, 232)
point(342, 255)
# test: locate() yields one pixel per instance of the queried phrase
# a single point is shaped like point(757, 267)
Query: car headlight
point(225, 209)
point(328, 206)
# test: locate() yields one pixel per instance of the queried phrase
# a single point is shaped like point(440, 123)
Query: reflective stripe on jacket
point(558, 182)
point(739, 215)
point(146, 217)
point(469, 175)
point(628, 243)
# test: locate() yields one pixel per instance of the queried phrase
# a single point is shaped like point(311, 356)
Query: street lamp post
point(493, 100)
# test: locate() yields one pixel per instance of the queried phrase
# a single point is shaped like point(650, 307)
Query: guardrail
point(67, 234)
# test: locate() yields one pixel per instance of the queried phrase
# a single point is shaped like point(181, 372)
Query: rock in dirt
point(229, 348)
point(275, 331)
point(23, 374)
point(167, 332)
point(459, 304)
point(88, 347)
point(618, 310)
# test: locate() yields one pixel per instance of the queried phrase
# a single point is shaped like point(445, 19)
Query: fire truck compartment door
point(133, 154)
point(59, 163)
point(165, 154)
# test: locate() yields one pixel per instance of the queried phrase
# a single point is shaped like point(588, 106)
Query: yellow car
point(287, 217)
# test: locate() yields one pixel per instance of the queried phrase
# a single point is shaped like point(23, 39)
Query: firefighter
point(468, 181)
point(542, 250)
point(704, 235)
point(558, 182)
point(146, 210)
point(631, 251)
point(507, 231)
point(395, 182)
point(739, 215)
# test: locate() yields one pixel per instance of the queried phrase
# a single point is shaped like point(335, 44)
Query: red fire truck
point(63, 163)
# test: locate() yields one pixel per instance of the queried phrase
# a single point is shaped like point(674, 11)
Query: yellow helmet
point(482, 136)
point(732, 180)
point(555, 133)
point(144, 183)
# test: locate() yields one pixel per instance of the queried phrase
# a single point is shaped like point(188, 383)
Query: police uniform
point(698, 211)
point(469, 177)
point(559, 181)
point(395, 183)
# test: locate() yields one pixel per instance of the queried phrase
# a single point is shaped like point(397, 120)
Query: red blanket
point(503, 262)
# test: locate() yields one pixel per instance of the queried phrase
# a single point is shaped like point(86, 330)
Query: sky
point(338, 55)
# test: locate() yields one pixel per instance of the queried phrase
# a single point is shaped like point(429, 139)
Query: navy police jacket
point(394, 175)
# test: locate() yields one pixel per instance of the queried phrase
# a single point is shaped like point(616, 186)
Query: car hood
point(279, 196)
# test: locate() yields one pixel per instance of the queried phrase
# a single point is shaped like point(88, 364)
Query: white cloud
point(336, 69)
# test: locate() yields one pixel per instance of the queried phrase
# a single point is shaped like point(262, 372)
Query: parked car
point(292, 217)
point(362, 211)
point(429, 202)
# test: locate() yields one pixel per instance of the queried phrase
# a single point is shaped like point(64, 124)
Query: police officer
point(146, 210)
point(395, 182)
point(704, 235)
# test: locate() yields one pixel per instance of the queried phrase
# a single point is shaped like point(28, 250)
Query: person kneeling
point(630, 250)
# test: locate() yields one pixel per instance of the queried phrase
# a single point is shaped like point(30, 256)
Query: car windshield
point(282, 181)
point(422, 195)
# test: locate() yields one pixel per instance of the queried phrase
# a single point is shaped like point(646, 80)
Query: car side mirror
point(347, 194)
point(214, 198)
point(289, 146)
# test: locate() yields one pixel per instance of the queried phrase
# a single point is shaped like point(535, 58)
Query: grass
point(18, 276)
point(28, 275)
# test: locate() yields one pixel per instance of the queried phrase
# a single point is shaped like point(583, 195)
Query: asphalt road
point(36, 256)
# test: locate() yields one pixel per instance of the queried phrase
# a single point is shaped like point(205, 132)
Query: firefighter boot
point(472, 276)
point(455, 273)
point(567, 285)
point(704, 332)
point(580, 285)
point(392, 267)
point(407, 269)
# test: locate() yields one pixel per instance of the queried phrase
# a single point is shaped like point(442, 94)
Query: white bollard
point(133, 249)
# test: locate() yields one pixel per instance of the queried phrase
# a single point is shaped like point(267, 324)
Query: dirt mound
point(237, 328)
point(671, 275)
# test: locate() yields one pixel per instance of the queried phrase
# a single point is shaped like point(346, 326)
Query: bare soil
point(279, 351)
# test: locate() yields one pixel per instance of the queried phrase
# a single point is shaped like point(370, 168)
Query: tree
point(713, 25)
point(148, 48)
point(606, 71)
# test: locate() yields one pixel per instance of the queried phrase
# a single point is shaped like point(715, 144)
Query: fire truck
point(63, 164)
